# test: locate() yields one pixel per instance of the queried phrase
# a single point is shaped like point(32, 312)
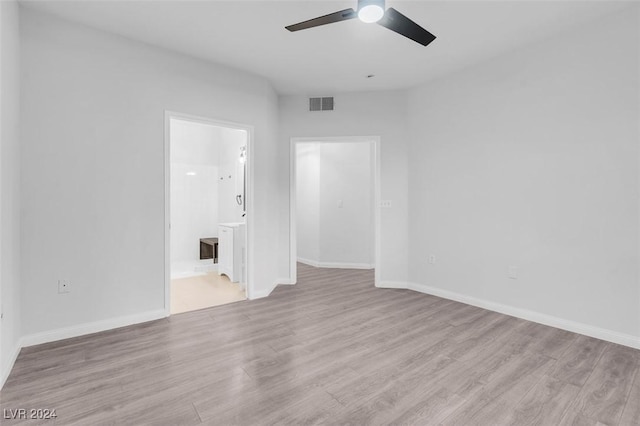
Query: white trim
point(259, 294)
point(249, 222)
point(6, 369)
point(377, 199)
point(293, 255)
point(564, 324)
point(391, 284)
point(335, 265)
point(167, 212)
point(90, 328)
point(266, 293)
point(293, 240)
point(309, 262)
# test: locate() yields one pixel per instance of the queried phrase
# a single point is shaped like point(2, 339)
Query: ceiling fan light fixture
point(370, 11)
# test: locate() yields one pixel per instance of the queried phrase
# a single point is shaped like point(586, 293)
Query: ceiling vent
point(321, 104)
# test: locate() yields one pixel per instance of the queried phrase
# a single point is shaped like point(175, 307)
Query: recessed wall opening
point(207, 208)
point(334, 203)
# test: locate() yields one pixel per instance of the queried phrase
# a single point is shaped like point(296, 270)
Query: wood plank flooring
point(331, 350)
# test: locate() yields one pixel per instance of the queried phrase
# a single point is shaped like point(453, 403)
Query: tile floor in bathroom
point(203, 291)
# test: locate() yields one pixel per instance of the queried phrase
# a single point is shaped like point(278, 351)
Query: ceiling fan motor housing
point(363, 3)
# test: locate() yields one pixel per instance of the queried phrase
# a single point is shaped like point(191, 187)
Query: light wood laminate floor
point(334, 350)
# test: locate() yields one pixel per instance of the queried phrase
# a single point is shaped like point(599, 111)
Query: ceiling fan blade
point(399, 23)
point(331, 18)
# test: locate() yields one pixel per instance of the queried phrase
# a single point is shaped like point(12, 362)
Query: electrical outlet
point(64, 286)
point(385, 204)
point(432, 259)
point(513, 272)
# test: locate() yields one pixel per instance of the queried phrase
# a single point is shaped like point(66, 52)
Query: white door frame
point(293, 251)
point(249, 238)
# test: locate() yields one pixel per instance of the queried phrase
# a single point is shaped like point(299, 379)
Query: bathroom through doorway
point(207, 213)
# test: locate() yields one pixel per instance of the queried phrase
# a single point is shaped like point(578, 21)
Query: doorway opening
point(334, 199)
point(206, 237)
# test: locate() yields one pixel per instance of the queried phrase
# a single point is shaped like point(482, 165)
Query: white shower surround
point(206, 176)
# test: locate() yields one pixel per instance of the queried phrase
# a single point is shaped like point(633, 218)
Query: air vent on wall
point(321, 104)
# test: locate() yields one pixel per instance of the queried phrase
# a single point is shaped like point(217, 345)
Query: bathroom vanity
point(231, 251)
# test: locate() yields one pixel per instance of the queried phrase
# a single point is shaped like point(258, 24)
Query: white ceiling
point(250, 35)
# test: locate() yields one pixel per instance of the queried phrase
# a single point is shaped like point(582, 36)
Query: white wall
point(206, 176)
point(93, 106)
point(194, 187)
point(308, 202)
point(10, 325)
point(531, 160)
point(336, 180)
point(381, 114)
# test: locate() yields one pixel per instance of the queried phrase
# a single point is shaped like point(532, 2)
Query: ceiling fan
point(371, 11)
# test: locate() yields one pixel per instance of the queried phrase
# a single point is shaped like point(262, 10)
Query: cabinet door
point(225, 249)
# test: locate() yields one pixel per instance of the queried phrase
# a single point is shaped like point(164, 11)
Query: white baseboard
point(266, 293)
point(391, 284)
point(309, 262)
point(92, 327)
point(6, 369)
point(263, 293)
point(336, 265)
point(564, 324)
